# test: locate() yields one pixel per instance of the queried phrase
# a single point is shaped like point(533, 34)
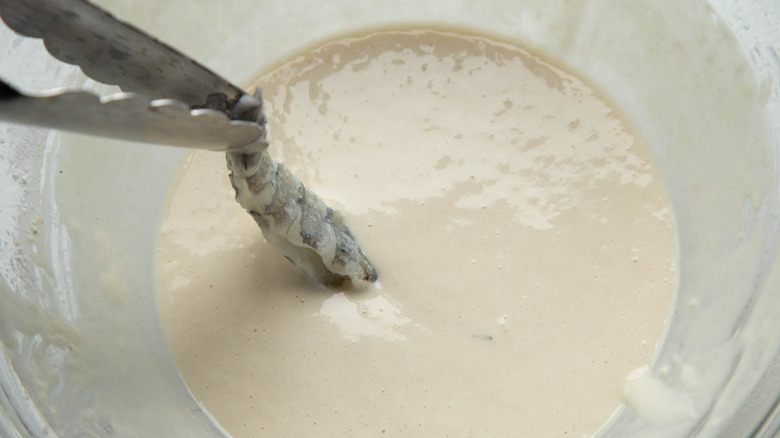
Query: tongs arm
point(114, 52)
point(133, 117)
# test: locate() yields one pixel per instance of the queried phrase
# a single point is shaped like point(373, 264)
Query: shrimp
point(293, 219)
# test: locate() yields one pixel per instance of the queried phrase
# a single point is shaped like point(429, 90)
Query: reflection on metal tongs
point(170, 99)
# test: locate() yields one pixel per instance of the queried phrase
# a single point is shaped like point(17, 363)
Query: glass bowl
point(82, 352)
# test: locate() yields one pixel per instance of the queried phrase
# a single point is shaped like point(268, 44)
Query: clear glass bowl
point(81, 349)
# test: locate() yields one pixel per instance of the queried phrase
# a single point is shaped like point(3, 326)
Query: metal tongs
point(167, 97)
point(170, 99)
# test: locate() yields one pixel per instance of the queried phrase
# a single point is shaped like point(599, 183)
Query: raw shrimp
point(293, 219)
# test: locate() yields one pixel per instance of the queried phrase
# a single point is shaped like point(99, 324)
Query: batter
point(523, 240)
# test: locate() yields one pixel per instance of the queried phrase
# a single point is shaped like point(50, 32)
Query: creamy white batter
point(523, 240)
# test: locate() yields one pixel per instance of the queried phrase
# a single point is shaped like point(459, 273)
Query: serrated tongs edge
point(130, 116)
point(168, 98)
